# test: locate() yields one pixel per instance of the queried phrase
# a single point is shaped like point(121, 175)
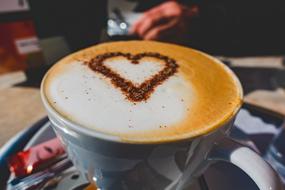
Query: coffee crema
point(142, 91)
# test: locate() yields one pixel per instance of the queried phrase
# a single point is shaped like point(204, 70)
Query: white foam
point(90, 99)
point(137, 73)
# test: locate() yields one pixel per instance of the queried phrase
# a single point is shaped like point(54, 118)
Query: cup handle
point(250, 162)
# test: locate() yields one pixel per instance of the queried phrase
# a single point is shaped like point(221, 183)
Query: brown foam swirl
point(132, 92)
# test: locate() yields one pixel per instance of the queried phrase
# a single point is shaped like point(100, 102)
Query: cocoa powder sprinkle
point(132, 92)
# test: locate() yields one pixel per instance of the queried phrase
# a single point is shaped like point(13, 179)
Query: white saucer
point(220, 176)
point(72, 179)
point(254, 128)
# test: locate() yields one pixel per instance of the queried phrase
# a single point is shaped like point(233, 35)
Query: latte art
point(141, 91)
point(133, 92)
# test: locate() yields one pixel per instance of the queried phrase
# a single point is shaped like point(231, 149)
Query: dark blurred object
point(280, 79)
point(80, 23)
point(21, 3)
point(223, 27)
point(122, 37)
point(259, 78)
point(146, 4)
point(276, 152)
point(234, 27)
point(231, 27)
point(34, 76)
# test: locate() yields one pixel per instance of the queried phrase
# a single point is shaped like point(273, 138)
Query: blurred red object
point(19, 46)
point(33, 159)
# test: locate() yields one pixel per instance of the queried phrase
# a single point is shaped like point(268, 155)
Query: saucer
point(253, 128)
point(71, 179)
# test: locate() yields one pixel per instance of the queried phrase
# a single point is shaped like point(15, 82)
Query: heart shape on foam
point(133, 92)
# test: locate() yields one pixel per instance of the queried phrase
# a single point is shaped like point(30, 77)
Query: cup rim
point(113, 138)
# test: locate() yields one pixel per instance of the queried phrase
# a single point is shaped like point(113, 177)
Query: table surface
point(21, 106)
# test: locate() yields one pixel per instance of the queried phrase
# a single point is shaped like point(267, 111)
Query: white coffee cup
point(113, 163)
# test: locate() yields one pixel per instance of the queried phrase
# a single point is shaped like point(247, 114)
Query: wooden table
point(21, 106)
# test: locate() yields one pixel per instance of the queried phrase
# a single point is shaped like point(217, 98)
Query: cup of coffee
point(145, 115)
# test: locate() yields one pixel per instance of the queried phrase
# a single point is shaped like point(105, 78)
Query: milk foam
point(137, 73)
point(90, 99)
point(196, 93)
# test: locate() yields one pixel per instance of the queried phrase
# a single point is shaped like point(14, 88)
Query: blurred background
point(36, 33)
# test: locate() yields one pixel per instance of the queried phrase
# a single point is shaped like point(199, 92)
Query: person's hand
point(169, 21)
